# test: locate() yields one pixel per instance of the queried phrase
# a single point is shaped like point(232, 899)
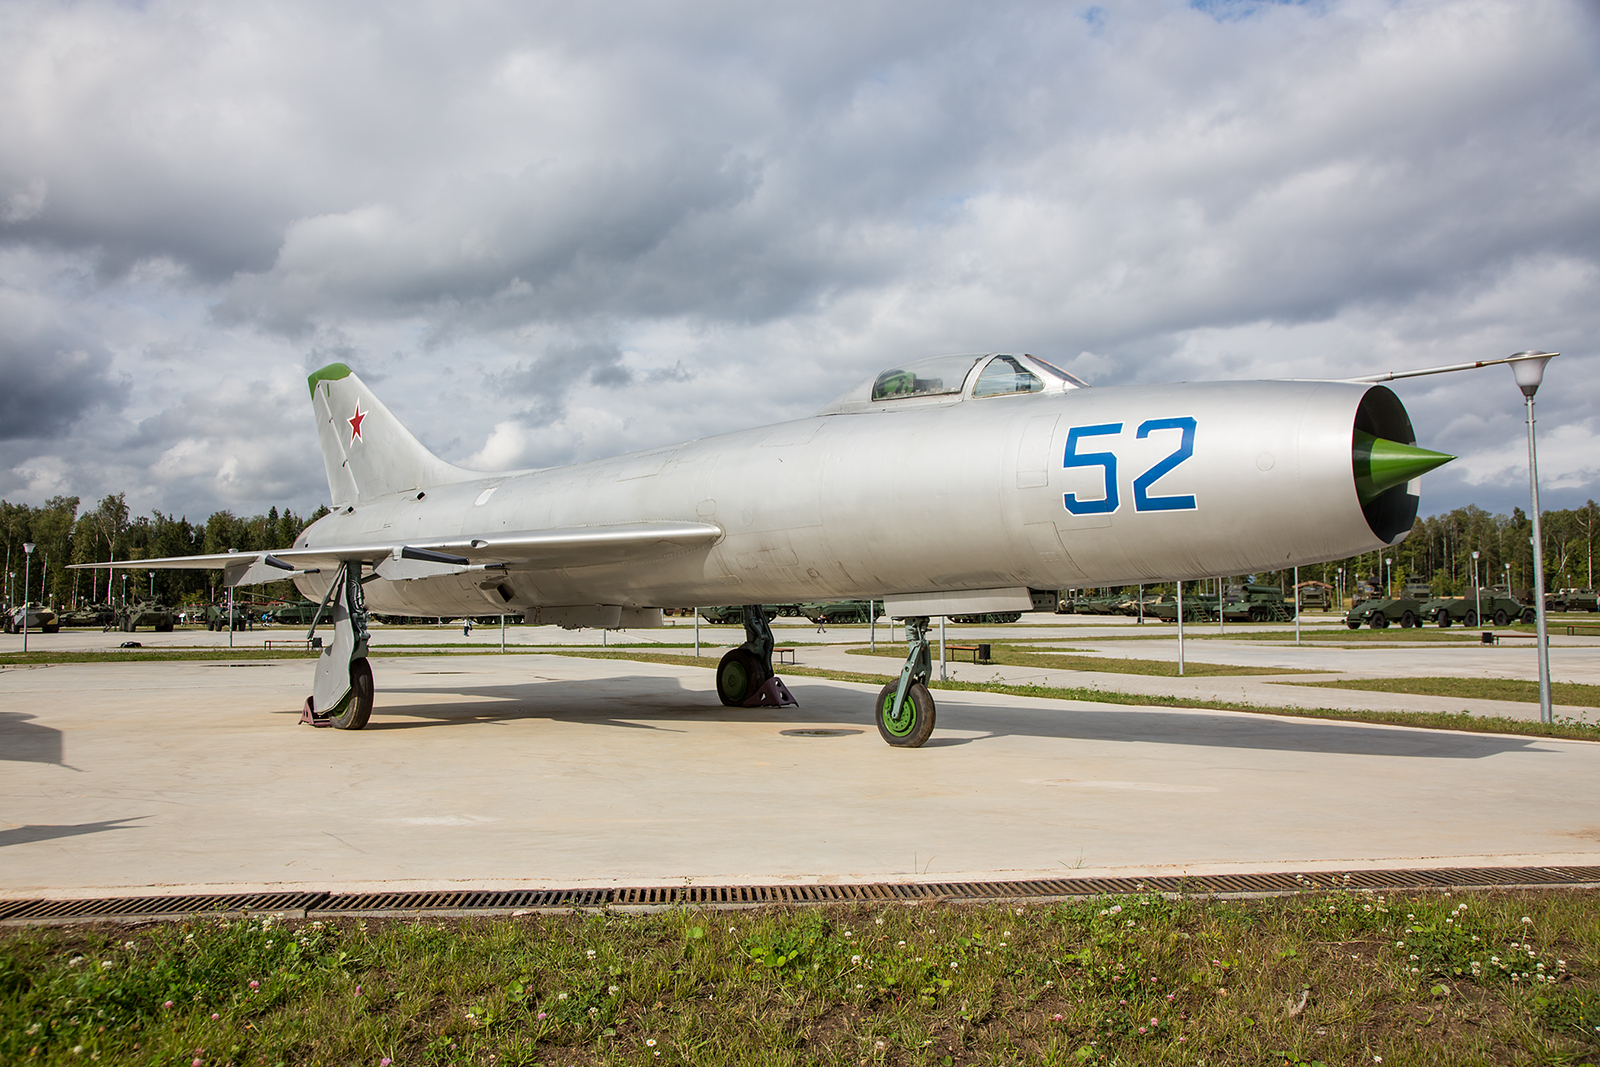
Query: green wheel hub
point(902, 726)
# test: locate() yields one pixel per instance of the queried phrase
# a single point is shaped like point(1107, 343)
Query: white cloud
point(546, 231)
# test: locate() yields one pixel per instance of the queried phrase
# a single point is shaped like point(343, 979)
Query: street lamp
point(1528, 369)
point(27, 551)
point(1476, 592)
point(1388, 576)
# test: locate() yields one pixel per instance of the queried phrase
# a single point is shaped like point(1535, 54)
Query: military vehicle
point(151, 613)
point(217, 617)
point(835, 612)
point(1379, 612)
point(992, 618)
point(1195, 608)
point(1315, 597)
point(40, 619)
point(1572, 600)
point(1257, 603)
point(92, 615)
point(298, 614)
point(732, 613)
point(1498, 609)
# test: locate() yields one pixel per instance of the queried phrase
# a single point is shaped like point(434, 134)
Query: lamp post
point(27, 553)
point(1477, 595)
point(1388, 576)
point(1528, 369)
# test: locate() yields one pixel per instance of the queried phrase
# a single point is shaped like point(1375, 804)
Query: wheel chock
point(772, 694)
point(308, 717)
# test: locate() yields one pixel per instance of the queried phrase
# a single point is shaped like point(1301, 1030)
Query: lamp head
point(27, 547)
point(1528, 369)
point(1474, 553)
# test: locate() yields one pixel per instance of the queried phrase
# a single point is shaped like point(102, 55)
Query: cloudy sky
point(547, 232)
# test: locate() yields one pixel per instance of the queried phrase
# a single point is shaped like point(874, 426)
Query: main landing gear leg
point(745, 678)
point(341, 696)
point(905, 708)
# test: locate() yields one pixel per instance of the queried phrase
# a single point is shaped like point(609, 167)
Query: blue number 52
point(1107, 461)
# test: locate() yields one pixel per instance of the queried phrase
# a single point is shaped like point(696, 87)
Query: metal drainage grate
point(311, 904)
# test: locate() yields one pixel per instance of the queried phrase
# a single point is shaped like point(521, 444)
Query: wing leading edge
point(564, 547)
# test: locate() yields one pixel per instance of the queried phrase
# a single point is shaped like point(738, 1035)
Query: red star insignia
point(355, 423)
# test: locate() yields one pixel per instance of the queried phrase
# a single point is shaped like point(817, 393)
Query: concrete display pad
point(542, 770)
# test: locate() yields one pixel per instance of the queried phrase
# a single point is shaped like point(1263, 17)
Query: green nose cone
point(1381, 464)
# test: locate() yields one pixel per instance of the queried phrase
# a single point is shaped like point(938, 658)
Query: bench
point(1585, 631)
point(292, 642)
point(782, 652)
point(980, 653)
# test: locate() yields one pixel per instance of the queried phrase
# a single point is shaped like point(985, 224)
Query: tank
point(1257, 603)
point(992, 618)
point(92, 615)
point(297, 614)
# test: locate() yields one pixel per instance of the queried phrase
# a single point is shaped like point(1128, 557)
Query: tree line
point(63, 535)
point(1438, 551)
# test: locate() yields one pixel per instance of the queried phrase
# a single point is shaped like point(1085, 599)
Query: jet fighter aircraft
point(954, 485)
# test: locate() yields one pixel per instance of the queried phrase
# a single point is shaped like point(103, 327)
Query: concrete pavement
point(526, 769)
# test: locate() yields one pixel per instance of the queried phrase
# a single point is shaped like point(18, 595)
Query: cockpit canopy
point(951, 379)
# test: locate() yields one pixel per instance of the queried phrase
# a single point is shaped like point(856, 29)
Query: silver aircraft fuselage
point(1048, 490)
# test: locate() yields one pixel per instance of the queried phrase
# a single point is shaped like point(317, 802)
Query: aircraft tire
point(739, 675)
point(359, 710)
point(915, 728)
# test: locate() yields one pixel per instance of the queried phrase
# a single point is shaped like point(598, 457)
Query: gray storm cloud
point(547, 232)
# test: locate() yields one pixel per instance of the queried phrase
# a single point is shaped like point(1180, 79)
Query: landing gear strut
point(905, 708)
point(745, 678)
point(341, 696)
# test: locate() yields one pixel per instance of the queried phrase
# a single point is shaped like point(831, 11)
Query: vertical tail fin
point(366, 450)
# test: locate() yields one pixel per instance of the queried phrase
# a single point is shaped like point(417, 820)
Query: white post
point(1546, 714)
point(1180, 629)
point(230, 615)
point(502, 633)
point(872, 615)
point(1221, 629)
point(1141, 603)
point(941, 648)
point(1297, 605)
point(891, 625)
point(27, 558)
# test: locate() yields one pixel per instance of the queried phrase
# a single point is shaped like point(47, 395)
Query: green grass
point(1331, 978)
point(1432, 720)
point(1007, 655)
point(1575, 694)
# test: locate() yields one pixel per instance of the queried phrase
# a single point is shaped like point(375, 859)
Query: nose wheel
point(905, 710)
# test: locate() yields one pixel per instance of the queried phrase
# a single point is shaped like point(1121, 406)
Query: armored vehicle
point(217, 617)
point(151, 613)
point(1498, 609)
point(993, 617)
point(1378, 613)
point(1257, 603)
point(733, 613)
point(93, 615)
point(40, 619)
point(1418, 591)
point(1195, 608)
point(1572, 600)
point(837, 612)
point(297, 614)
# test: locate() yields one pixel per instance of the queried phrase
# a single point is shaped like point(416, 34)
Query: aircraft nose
point(1380, 464)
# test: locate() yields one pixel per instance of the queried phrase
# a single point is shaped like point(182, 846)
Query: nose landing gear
point(905, 709)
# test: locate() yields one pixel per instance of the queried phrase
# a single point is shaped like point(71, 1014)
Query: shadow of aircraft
point(21, 835)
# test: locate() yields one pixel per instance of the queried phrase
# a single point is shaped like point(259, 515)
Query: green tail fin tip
point(1380, 464)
